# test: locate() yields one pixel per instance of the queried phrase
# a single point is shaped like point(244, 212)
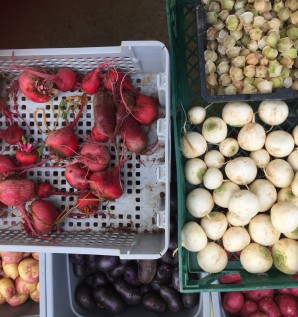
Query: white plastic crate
point(137, 224)
point(30, 308)
point(62, 304)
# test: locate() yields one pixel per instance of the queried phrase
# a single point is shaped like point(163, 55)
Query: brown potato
point(7, 288)
point(11, 257)
point(22, 287)
point(29, 270)
point(35, 296)
point(11, 270)
point(17, 299)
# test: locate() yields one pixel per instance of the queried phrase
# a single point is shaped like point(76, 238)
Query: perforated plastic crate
point(62, 303)
point(137, 224)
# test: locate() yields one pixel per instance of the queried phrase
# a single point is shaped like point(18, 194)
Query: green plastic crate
point(181, 18)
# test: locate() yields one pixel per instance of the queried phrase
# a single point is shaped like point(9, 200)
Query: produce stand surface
point(182, 29)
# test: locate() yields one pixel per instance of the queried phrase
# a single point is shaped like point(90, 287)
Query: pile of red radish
point(259, 303)
point(122, 119)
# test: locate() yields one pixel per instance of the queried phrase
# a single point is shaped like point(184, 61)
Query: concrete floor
point(81, 23)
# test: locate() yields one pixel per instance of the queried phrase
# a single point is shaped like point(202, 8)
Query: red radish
point(288, 305)
point(95, 156)
point(257, 295)
point(77, 176)
point(64, 141)
point(15, 193)
point(87, 203)
point(133, 136)
point(267, 305)
point(248, 308)
point(145, 110)
point(233, 302)
point(294, 291)
point(45, 190)
point(43, 215)
point(104, 113)
point(97, 136)
point(12, 135)
point(258, 314)
point(284, 291)
point(106, 185)
point(113, 78)
point(230, 278)
point(91, 81)
point(26, 154)
point(7, 166)
point(34, 87)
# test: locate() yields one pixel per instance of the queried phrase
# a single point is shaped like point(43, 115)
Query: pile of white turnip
point(19, 277)
point(244, 168)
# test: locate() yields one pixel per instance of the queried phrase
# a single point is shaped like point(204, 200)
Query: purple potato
point(84, 297)
point(154, 302)
point(172, 298)
point(168, 258)
point(190, 300)
point(175, 279)
point(99, 279)
point(78, 258)
point(146, 270)
point(164, 274)
point(107, 263)
point(109, 299)
point(131, 273)
point(91, 267)
point(145, 288)
point(118, 271)
point(79, 270)
point(129, 294)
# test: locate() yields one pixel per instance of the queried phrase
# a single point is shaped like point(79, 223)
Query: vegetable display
point(19, 278)
point(114, 285)
point(251, 46)
point(244, 208)
point(93, 164)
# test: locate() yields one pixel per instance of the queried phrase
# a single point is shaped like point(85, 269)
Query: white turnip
point(235, 239)
point(280, 173)
point(199, 202)
point(237, 114)
point(256, 258)
point(213, 258)
point(215, 225)
point(279, 143)
point(214, 158)
point(194, 170)
point(241, 170)
point(284, 216)
point(229, 147)
point(273, 112)
point(261, 158)
point(293, 160)
point(193, 237)
point(262, 231)
point(252, 137)
point(265, 192)
point(223, 194)
point(214, 130)
point(285, 255)
point(213, 178)
point(196, 115)
point(286, 194)
point(244, 203)
point(193, 144)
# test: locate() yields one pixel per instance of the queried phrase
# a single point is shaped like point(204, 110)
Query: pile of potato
point(19, 277)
